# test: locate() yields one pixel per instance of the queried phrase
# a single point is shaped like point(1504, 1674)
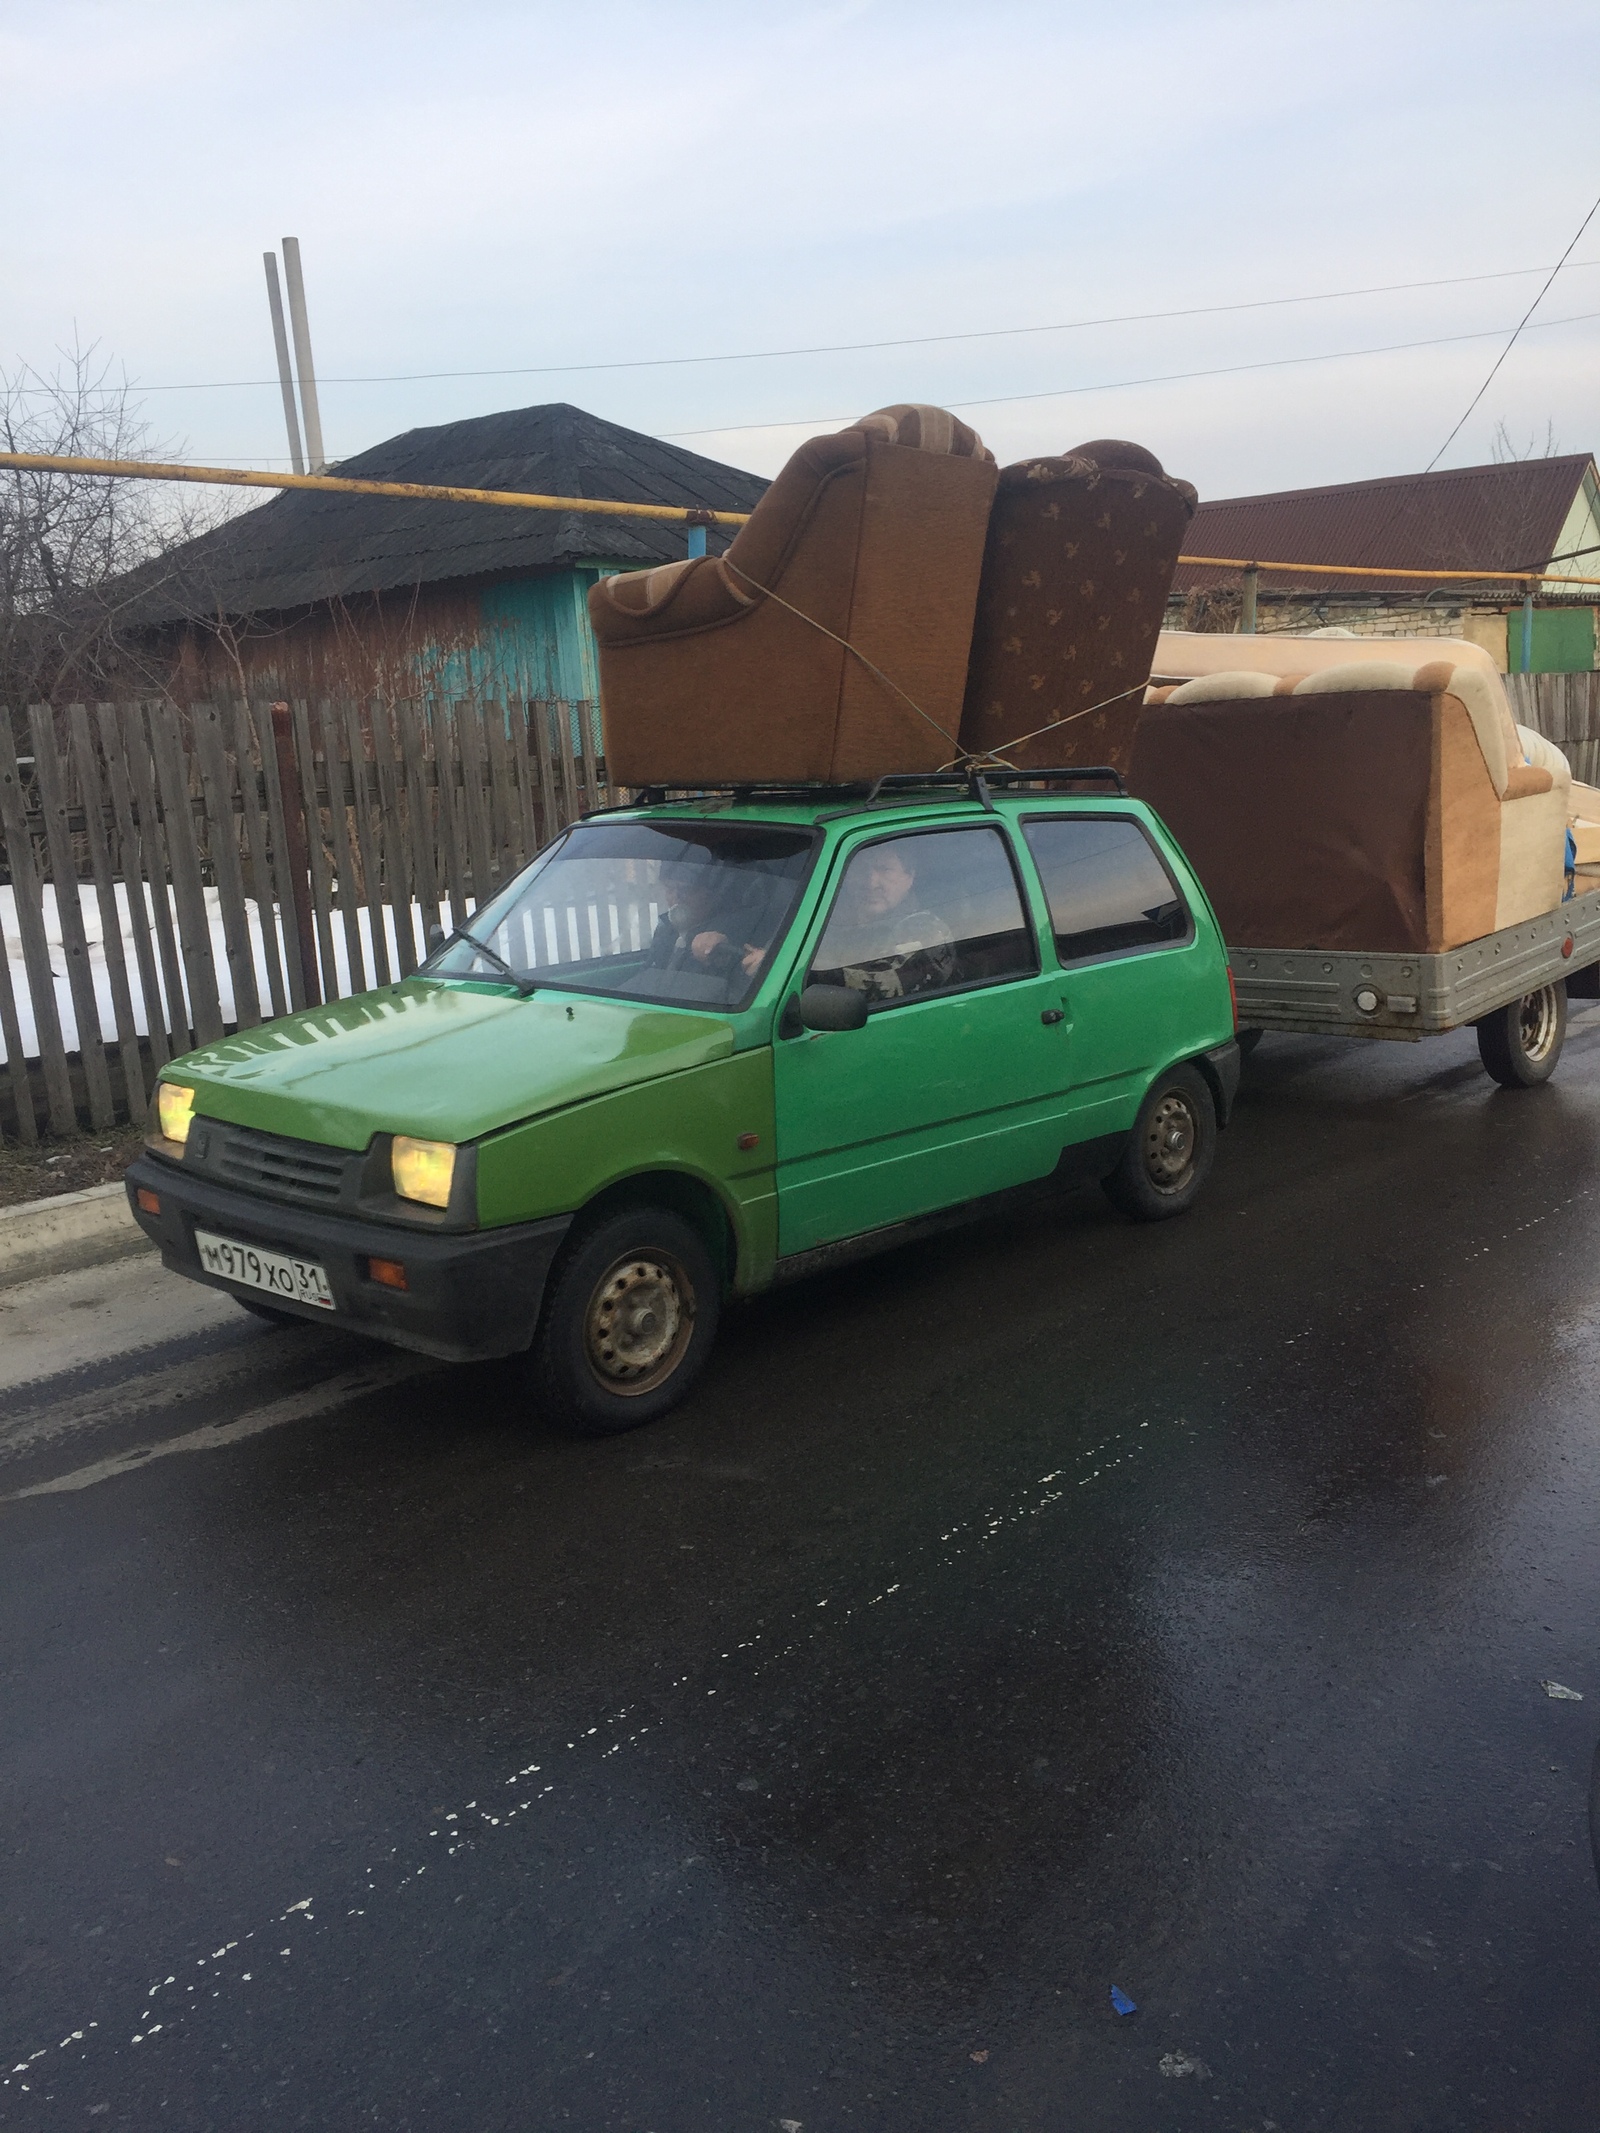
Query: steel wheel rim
point(1537, 1024)
point(639, 1322)
point(1171, 1140)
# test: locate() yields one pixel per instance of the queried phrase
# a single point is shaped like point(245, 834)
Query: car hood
point(445, 1061)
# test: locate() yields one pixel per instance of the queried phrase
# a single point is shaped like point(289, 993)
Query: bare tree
point(77, 550)
point(1504, 453)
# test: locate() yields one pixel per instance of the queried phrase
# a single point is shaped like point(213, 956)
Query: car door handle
point(1053, 1014)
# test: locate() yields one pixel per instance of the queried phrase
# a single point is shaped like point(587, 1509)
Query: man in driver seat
point(884, 942)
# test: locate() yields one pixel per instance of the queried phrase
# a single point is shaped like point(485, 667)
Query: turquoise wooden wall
point(533, 640)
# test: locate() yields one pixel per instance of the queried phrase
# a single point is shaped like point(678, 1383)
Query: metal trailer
point(1511, 986)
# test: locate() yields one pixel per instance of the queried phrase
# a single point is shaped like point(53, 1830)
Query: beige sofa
point(1383, 804)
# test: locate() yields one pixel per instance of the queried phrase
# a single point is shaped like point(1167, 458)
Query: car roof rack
point(867, 792)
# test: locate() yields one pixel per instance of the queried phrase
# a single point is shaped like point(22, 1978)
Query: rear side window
point(1106, 885)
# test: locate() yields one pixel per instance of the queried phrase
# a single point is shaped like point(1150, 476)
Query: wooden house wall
point(522, 639)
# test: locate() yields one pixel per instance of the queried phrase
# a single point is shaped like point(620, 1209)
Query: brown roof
point(1490, 518)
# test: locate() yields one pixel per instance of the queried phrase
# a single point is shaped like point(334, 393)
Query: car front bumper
point(468, 1295)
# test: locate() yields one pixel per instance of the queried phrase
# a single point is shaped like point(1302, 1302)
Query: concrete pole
point(280, 341)
point(302, 354)
point(1247, 605)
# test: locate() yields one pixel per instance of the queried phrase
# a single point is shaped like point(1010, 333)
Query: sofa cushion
point(1219, 688)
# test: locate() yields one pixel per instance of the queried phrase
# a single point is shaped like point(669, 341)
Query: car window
point(926, 913)
point(686, 913)
point(1106, 886)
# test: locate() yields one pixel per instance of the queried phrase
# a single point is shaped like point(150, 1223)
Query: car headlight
point(423, 1170)
point(175, 1110)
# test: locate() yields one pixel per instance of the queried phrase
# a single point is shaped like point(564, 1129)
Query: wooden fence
point(177, 872)
point(1565, 708)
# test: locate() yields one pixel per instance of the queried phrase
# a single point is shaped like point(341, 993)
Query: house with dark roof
point(329, 595)
point(1539, 516)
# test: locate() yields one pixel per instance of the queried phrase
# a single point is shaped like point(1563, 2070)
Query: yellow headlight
point(423, 1170)
point(175, 1109)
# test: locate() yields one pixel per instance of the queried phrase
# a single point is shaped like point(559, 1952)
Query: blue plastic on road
point(1121, 2002)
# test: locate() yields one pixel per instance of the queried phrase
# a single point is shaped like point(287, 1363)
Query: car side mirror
point(833, 1007)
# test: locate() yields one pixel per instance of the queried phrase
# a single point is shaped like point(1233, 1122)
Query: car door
point(956, 1084)
point(1122, 935)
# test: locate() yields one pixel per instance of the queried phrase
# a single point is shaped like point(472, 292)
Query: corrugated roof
point(304, 547)
point(1466, 518)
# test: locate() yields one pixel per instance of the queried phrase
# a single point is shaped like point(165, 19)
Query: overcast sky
point(481, 187)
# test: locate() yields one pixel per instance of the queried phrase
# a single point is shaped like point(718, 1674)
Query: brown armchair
point(792, 657)
point(1076, 572)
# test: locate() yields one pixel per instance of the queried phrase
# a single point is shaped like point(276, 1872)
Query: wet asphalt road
point(1054, 1606)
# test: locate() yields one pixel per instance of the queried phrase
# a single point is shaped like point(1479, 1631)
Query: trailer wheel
point(1520, 1044)
point(1169, 1153)
point(628, 1324)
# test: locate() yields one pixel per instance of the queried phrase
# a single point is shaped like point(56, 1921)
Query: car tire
point(1170, 1151)
point(628, 1323)
point(1520, 1044)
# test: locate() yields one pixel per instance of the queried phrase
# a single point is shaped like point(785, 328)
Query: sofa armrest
point(1523, 780)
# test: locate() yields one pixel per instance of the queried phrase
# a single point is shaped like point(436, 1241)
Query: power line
point(926, 340)
point(1500, 358)
point(1171, 377)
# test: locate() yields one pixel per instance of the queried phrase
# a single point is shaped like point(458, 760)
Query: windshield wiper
point(522, 982)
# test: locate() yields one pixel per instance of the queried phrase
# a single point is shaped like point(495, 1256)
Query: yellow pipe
point(519, 500)
point(344, 485)
point(1376, 570)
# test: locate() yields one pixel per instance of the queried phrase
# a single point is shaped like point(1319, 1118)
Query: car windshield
point(677, 913)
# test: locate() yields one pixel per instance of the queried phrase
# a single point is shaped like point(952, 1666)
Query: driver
point(888, 944)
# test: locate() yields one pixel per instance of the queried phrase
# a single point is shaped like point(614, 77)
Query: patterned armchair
point(1076, 572)
point(830, 642)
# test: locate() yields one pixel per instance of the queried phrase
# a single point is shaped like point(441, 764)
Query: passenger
point(882, 940)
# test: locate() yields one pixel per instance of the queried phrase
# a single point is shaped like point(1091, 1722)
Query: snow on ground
point(89, 906)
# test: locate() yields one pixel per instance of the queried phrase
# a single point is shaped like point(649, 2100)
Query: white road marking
point(458, 1830)
point(216, 1436)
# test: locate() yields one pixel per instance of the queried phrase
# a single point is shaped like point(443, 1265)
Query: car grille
point(302, 1171)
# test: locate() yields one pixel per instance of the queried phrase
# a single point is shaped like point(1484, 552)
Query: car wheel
point(1520, 1044)
point(1169, 1153)
point(629, 1322)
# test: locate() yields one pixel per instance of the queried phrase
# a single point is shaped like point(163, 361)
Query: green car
point(698, 1047)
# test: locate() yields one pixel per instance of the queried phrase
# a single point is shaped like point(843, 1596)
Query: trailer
point(1511, 987)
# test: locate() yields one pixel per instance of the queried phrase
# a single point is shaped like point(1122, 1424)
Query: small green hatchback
point(700, 1046)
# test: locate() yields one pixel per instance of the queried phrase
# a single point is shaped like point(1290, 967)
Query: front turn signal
point(175, 1110)
point(423, 1170)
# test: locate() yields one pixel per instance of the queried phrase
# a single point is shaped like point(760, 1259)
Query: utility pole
point(302, 355)
point(280, 341)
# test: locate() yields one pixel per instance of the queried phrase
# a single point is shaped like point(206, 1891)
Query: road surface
point(1053, 1607)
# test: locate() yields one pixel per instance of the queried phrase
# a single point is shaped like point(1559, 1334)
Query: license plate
point(252, 1266)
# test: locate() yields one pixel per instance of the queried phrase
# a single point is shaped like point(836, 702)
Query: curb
point(74, 1229)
